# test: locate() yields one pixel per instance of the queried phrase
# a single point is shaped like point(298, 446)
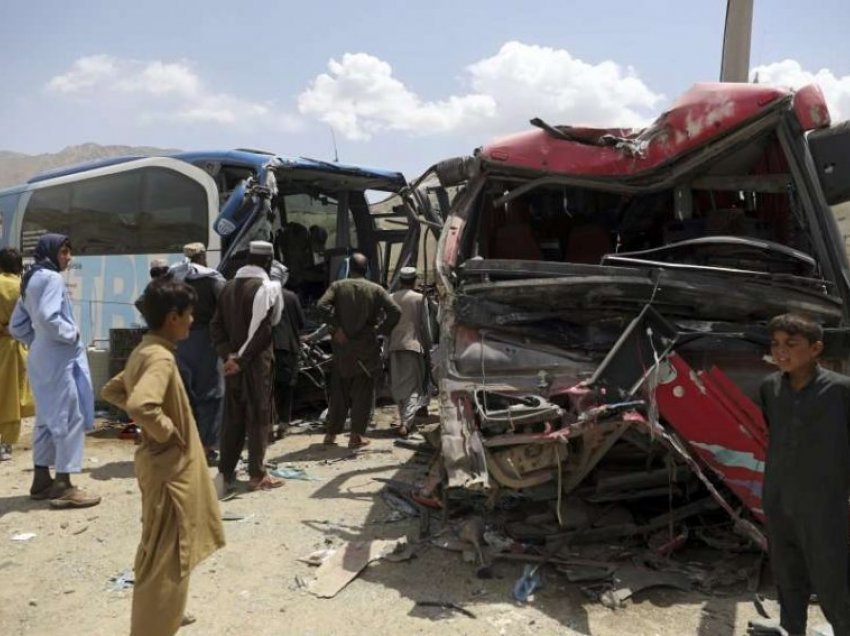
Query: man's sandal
point(264, 483)
point(360, 442)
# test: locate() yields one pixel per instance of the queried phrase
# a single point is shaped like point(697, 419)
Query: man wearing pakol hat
point(249, 307)
point(158, 267)
point(357, 311)
point(287, 349)
point(197, 359)
point(408, 345)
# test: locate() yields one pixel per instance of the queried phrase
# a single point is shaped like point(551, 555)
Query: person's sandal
point(426, 500)
point(264, 483)
point(403, 432)
point(330, 440)
point(358, 442)
point(73, 497)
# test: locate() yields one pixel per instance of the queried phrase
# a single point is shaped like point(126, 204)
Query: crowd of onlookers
point(216, 369)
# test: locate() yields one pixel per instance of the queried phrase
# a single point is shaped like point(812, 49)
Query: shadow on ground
point(19, 503)
point(112, 470)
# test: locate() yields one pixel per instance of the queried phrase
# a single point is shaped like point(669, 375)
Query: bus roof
point(82, 167)
point(383, 179)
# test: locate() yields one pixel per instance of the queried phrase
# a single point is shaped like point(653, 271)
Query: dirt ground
point(59, 581)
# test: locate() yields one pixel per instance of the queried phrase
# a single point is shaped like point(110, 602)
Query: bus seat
point(588, 244)
point(514, 239)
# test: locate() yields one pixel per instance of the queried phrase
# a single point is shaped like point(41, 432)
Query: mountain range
point(17, 167)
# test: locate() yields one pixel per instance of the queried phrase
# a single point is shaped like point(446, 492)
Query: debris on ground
point(399, 504)
point(346, 563)
point(122, 581)
point(317, 557)
point(290, 472)
point(447, 605)
point(23, 536)
point(527, 584)
point(629, 580)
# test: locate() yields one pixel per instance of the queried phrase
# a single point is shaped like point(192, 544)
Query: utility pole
point(735, 62)
point(333, 139)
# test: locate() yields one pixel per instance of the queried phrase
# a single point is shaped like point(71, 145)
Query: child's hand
point(179, 441)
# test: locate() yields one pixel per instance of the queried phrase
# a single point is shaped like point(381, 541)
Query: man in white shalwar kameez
point(59, 375)
point(408, 346)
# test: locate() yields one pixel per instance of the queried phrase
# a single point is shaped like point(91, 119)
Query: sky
point(398, 85)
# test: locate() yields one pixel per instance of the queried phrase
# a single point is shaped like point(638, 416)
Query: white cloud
point(360, 96)
point(159, 78)
point(85, 73)
point(528, 80)
point(836, 89)
point(165, 91)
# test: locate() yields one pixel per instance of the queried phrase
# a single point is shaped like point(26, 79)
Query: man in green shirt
point(357, 311)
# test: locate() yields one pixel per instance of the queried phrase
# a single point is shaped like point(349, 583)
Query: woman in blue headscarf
point(59, 375)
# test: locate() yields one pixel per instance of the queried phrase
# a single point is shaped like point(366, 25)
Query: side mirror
point(234, 211)
point(830, 148)
point(452, 172)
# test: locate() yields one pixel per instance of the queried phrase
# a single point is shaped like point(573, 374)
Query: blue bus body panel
point(377, 179)
point(82, 167)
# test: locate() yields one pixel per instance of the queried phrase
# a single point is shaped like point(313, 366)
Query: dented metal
point(604, 295)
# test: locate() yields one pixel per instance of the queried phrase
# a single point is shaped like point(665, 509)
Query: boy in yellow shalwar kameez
point(16, 400)
point(181, 521)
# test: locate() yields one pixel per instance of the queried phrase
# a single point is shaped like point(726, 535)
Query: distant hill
point(16, 167)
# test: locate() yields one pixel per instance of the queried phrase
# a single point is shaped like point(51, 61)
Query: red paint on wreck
point(705, 112)
point(452, 243)
point(810, 108)
point(715, 419)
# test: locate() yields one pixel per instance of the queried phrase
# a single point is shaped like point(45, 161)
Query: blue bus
point(123, 212)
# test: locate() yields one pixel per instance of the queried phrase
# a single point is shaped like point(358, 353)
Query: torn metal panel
point(644, 342)
point(742, 526)
point(727, 437)
point(524, 465)
point(705, 113)
point(462, 450)
point(500, 412)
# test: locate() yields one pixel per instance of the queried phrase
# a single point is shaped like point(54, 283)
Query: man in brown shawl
point(241, 330)
point(181, 521)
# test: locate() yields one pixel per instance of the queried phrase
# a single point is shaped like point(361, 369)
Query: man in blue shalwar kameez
point(59, 375)
point(197, 358)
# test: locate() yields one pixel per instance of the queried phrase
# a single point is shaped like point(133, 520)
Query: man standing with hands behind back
point(241, 329)
point(358, 311)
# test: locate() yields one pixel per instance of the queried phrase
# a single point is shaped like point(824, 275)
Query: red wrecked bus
point(604, 295)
